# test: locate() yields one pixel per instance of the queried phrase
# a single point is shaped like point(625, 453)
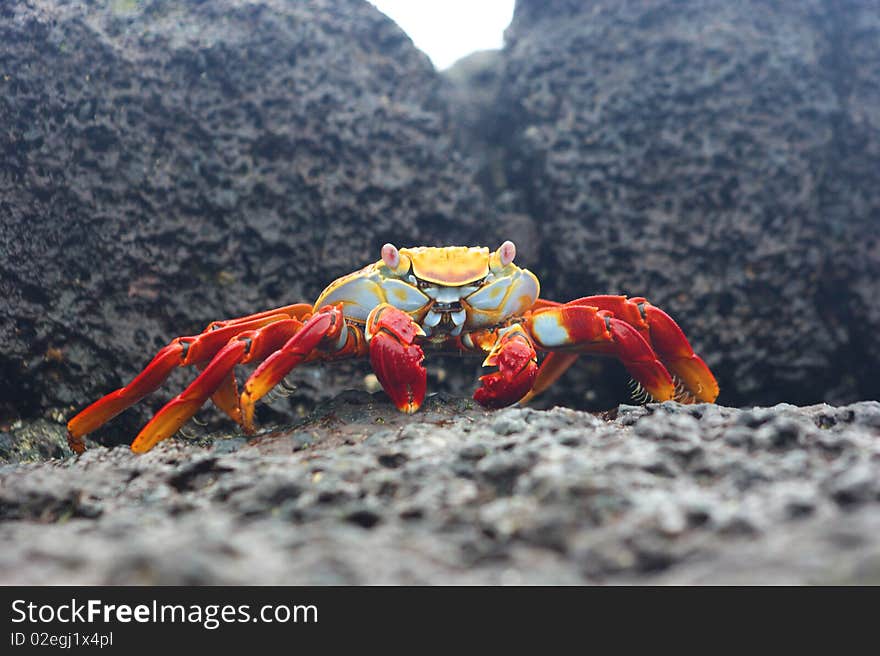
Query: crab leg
point(327, 324)
point(659, 330)
point(301, 311)
point(514, 355)
point(552, 367)
point(226, 397)
point(576, 329)
point(395, 356)
point(180, 352)
point(676, 353)
point(245, 347)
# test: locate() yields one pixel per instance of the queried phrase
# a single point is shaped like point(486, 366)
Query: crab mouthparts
point(449, 317)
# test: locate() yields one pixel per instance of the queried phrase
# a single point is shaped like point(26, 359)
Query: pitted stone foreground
point(361, 494)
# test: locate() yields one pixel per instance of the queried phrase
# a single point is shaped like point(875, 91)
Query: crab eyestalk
point(502, 257)
point(398, 262)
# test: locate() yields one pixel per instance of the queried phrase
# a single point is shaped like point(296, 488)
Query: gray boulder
point(166, 164)
point(721, 159)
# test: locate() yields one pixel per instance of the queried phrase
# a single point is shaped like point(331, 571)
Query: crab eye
point(507, 251)
point(391, 256)
point(502, 257)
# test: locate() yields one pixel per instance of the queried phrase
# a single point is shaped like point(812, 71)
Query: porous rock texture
point(359, 493)
point(166, 164)
point(720, 158)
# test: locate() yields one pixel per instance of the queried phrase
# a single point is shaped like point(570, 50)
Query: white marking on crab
point(491, 296)
point(359, 296)
point(404, 297)
point(458, 318)
point(343, 338)
point(548, 331)
point(524, 291)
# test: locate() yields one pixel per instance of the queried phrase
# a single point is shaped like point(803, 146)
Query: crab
point(454, 299)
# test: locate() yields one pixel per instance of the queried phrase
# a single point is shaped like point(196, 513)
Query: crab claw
point(516, 360)
point(395, 356)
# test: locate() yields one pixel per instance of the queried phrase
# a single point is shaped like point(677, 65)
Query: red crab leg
point(301, 311)
point(396, 358)
point(226, 397)
point(326, 325)
point(244, 347)
point(586, 329)
point(659, 330)
point(676, 353)
point(182, 351)
point(515, 357)
point(541, 303)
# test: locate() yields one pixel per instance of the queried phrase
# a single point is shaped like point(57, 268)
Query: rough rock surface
point(720, 158)
point(359, 493)
point(166, 164)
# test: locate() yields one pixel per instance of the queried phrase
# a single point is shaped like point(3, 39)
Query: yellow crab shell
point(449, 266)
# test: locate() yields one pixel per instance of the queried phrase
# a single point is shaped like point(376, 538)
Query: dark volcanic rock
point(166, 164)
point(722, 159)
point(455, 494)
point(34, 441)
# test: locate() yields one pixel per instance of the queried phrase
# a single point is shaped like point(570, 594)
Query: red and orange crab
point(447, 299)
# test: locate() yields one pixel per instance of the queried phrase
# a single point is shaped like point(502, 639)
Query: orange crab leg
point(182, 351)
point(244, 347)
point(111, 405)
point(577, 329)
point(395, 356)
point(178, 410)
point(226, 397)
point(552, 367)
point(272, 337)
point(327, 324)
